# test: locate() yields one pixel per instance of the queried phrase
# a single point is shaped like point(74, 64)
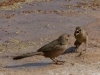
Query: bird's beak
point(77, 32)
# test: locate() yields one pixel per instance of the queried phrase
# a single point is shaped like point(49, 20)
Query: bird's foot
point(60, 62)
point(79, 54)
point(84, 50)
point(75, 50)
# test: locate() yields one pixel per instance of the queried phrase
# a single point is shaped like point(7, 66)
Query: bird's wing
point(48, 47)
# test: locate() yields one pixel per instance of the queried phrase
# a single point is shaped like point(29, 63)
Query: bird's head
point(78, 30)
point(63, 39)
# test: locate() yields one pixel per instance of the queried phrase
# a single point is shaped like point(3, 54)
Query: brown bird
point(50, 50)
point(81, 37)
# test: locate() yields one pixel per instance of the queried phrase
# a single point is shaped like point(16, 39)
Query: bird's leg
point(57, 61)
point(77, 44)
point(85, 48)
point(79, 54)
point(53, 60)
point(86, 44)
point(76, 48)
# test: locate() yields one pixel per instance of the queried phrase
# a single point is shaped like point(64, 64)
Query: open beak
point(77, 32)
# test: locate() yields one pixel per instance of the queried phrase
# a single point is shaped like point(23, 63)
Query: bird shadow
point(69, 50)
point(35, 65)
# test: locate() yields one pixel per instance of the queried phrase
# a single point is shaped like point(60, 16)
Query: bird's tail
point(27, 55)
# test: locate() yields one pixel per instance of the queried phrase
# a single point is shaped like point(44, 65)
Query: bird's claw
point(60, 62)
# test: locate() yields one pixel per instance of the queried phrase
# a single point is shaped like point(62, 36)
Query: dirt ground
point(26, 26)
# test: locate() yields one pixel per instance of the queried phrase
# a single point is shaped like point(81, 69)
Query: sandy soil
point(28, 28)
